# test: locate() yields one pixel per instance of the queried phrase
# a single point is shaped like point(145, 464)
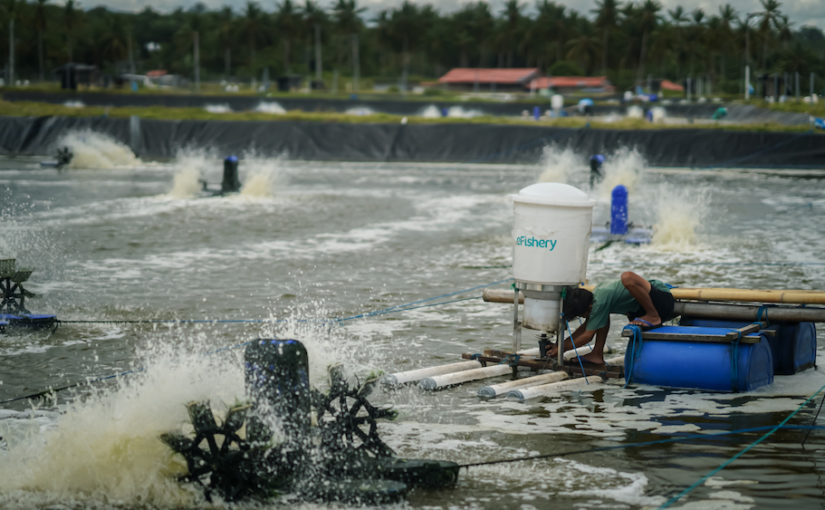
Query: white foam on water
point(635, 112)
point(430, 112)
point(360, 111)
point(270, 107)
point(96, 150)
point(105, 447)
point(190, 166)
point(455, 112)
point(560, 165)
point(218, 108)
point(680, 215)
point(262, 177)
point(659, 113)
point(623, 487)
point(626, 166)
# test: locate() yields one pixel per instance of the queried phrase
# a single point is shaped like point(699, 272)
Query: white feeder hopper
point(551, 234)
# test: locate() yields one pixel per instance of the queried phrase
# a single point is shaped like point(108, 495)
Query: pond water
point(121, 247)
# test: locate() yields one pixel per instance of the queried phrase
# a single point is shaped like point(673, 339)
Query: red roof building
point(495, 79)
point(568, 83)
point(669, 85)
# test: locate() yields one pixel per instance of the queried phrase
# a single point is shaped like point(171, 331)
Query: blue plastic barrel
point(618, 210)
point(699, 365)
point(793, 344)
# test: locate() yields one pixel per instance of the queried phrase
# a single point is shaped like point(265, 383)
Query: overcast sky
point(800, 12)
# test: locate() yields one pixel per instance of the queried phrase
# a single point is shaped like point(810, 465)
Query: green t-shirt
point(613, 297)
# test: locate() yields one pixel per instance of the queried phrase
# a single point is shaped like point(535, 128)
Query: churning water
point(334, 240)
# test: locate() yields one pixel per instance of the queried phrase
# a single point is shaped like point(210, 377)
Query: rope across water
point(413, 305)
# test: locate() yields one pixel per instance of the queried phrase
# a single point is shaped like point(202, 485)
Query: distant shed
point(504, 79)
point(573, 83)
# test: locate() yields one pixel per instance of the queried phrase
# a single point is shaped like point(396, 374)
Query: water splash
point(679, 217)
point(105, 447)
point(96, 150)
point(218, 108)
point(430, 112)
point(261, 177)
point(562, 165)
point(659, 113)
point(456, 112)
point(270, 107)
point(192, 165)
point(463, 113)
point(626, 167)
point(635, 112)
point(360, 111)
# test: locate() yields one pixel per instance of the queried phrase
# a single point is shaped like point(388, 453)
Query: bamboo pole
point(749, 313)
point(798, 297)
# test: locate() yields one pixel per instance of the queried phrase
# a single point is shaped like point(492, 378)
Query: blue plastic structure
point(619, 228)
point(618, 210)
point(730, 367)
point(793, 344)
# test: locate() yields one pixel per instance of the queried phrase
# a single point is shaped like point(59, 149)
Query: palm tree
point(70, 21)
point(607, 20)
point(11, 12)
point(723, 35)
point(226, 35)
point(585, 48)
point(648, 21)
point(695, 34)
point(403, 29)
point(770, 19)
point(253, 26)
point(286, 20)
point(511, 30)
point(40, 26)
point(315, 17)
point(348, 20)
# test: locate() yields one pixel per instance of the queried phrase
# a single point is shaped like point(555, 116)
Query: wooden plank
point(741, 332)
point(573, 369)
point(692, 337)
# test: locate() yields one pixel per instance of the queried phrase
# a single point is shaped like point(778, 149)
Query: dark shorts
point(662, 301)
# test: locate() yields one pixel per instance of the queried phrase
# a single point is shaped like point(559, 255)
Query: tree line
point(628, 41)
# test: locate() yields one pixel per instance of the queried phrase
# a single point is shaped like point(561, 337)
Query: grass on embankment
point(35, 109)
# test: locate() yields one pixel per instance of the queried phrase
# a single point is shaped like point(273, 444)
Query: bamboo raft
point(532, 376)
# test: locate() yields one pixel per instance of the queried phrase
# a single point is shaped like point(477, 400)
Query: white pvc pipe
point(496, 390)
point(618, 361)
point(545, 390)
point(417, 374)
point(442, 381)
